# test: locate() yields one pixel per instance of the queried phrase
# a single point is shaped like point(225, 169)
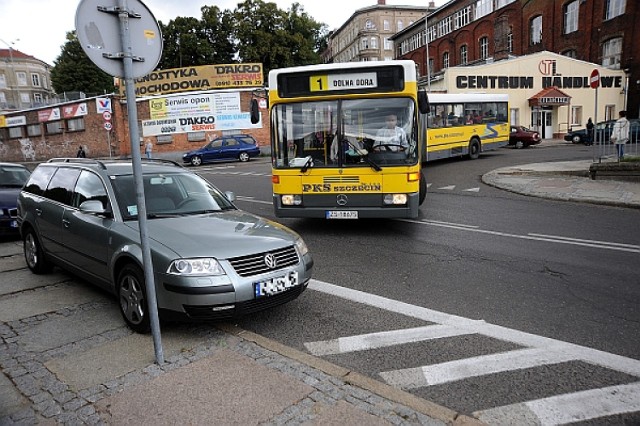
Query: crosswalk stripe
point(382, 339)
point(453, 371)
point(567, 408)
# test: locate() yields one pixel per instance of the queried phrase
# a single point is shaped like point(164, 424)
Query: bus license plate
point(275, 285)
point(341, 214)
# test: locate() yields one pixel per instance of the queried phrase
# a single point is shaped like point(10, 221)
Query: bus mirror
point(423, 102)
point(255, 111)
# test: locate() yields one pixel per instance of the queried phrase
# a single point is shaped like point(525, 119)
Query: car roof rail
point(77, 160)
point(160, 160)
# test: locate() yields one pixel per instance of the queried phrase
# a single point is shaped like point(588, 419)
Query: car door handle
point(39, 212)
point(65, 223)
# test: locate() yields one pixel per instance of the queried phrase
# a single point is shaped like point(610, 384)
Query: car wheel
point(519, 144)
point(576, 139)
point(34, 255)
point(474, 149)
point(196, 160)
point(244, 157)
point(132, 298)
point(423, 189)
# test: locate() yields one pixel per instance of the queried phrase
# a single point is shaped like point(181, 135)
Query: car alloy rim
point(132, 299)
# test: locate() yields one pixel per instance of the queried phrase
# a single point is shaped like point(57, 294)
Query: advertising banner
point(198, 123)
point(51, 114)
point(76, 110)
point(179, 106)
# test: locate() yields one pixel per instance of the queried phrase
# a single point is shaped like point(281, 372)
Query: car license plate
point(341, 214)
point(276, 285)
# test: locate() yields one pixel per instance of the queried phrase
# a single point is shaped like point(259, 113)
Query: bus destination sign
point(343, 82)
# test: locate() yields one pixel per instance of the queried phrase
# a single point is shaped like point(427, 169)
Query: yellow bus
point(345, 141)
point(465, 124)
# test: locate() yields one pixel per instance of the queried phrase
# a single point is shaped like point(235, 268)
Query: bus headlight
point(291, 200)
point(395, 199)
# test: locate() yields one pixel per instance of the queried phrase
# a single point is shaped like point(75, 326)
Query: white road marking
point(536, 351)
point(461, 369)
point(429, 185)
point(568, 408)
point(448, 188)
point(252, 200)
point(472, 190)
point(630, 248)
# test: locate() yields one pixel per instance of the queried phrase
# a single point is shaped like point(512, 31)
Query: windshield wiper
point(365, 156)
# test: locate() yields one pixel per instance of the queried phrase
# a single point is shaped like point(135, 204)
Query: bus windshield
point(344, 133)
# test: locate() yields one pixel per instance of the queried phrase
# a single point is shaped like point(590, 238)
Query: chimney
point(432, 5)
point(381, 2)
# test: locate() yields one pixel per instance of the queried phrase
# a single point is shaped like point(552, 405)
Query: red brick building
point(471, 32)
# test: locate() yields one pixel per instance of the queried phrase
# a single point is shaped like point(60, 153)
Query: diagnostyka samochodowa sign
point(205, 77)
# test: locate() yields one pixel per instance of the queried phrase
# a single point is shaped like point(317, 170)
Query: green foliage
point(73, 71)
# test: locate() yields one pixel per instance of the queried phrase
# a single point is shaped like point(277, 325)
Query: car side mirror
point(95, 207)
point(423, 102)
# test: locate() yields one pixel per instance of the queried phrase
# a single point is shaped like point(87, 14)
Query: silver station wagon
point(210, 259)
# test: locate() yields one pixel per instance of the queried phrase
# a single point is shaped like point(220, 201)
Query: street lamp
point(12, 86)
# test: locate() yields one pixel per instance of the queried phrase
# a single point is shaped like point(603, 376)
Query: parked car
point(521, 137)
point(602, 132)
point(225, 148)
point(210, 260)
point(12, 178)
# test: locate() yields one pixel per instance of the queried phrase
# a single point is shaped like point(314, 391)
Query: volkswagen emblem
point(342, 200)
point(270, 261)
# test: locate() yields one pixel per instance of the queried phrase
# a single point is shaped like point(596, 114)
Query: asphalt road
point(532, 267)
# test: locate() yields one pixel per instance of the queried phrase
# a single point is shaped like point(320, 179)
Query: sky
point(39, 27)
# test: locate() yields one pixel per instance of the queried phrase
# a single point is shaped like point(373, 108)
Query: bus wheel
point(474, 148)
point(423, 189)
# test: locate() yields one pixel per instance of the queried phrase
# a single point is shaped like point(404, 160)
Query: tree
point(73, 71)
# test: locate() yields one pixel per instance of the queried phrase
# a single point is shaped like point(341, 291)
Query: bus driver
point(391, 137)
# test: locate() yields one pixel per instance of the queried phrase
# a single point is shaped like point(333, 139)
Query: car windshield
point(13, 177)
point(169, 194)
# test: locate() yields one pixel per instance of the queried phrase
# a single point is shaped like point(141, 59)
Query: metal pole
point(595, 129)
point(426, 49)
point(152, 303)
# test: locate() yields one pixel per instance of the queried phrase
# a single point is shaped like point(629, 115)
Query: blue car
point(12, 179)
point(225, 148)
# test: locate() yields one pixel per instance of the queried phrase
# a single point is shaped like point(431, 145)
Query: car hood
point(9, 196)
point(221, 235)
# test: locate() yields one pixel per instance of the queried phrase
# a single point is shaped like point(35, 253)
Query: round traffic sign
point(106, 115)
point(107, 126)
point(594, 80)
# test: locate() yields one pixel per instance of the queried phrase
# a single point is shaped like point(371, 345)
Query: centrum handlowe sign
point(205, 77)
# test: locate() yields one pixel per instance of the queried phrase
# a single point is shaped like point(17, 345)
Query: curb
point(420, 405)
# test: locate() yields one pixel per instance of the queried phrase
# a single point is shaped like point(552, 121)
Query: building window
point(24, 98)
point(430, 66)
point(374, 42)
point(196, 136)
point(609, 112)
point(432, 33)
point(576, 116)
point(400, 25)
point(3, 99)
point(15, 132)
point(571, 17)
point(571, 53)
point(37, 98)
point(503, 3)
point(464, 58)
point(462, 17)
point(369, 25)
point(386, 25)
point(35, 80)
point(445, 60)
point(75, 124)
point(510, 40)
point(388, 45)
point(364, 43)
point(54, 127)
point(614, 8)
point(164, 139)
point(444, 26)
point(515, 116)
point(483, 8)
point(484, 47)
point(611, 52)
point(34, 129)
point(3, 81)
point(22, 78)
point(536, 30)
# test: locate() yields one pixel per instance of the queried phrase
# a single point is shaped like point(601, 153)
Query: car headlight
point(302, 247)
point(201, 266)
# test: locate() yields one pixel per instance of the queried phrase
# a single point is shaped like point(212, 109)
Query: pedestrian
point(148, 148)
point(589, 140)
point(620, 133)
point(81, 153)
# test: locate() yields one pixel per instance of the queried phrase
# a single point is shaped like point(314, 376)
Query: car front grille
point(255, 264)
